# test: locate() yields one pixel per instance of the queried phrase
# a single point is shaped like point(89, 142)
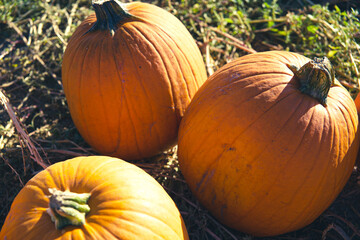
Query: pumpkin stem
point(108, 14)
point(67, 208)
point(315, 78)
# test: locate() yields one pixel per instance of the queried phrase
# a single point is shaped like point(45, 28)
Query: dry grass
point(37, 130)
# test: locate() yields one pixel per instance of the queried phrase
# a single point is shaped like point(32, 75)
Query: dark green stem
point(109, 13)
point(315, 78)
point(67, 208)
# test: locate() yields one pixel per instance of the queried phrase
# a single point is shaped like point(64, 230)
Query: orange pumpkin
point(357, 103)
point(128, 75)
point(93, 198)
point(263, 156)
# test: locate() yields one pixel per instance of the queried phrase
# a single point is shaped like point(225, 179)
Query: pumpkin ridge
point(82, 119)
point(103, 192)
point(337, 142)
point(335, 145)
point(134, 224)
point(228, 85)
point(216, 160)
point(252, 84)
point(165, 43)
point(211, 164)
point(89, 230)
point(28, 219)
point(182, 53)
point(235, 64)
point(72, 55)
point(70, 90)
point(268, 146)
point(168, 78)
point(94, 170)
point(287, 58)
point(103, 227)
point(281, 65)
point(157, 131)
point(75, 180)
point(58, 177)
point(126, 103)
point(226, 116)
point(276, 57)
point(164, 66)
point(147, 215)
point(201, 143)
point(335, 127)
point(245, 79)
point(183, 30)
point(33, 185)
point(345, 115)
point(97, 83)
point(120, 97)
point(101, 94)
point(349, 144)
point(311, 202)
point(20, 233)
point(118, 200)
point(337, 88)
point(119, 171)
point(352, 115)
point(270, 108)
point(341, 112)
point(62, 179)
point(279, 69)
point(173, 102)
point(110, 220)
point(307, 174)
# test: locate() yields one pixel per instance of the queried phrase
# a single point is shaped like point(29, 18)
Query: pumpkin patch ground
point(37, 129)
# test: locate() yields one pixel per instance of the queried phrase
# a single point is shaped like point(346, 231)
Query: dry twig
point(338, 229)
point(234, 41)
point(349, 224)
point(24, 138)
point(13, 169)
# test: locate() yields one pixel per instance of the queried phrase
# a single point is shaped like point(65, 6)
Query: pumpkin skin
point(357, 103)
point(128, 92)
point(126, 203)
point(260, 155)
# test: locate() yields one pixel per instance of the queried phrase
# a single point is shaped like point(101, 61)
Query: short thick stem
point(315, 78)
point(67, 208)
point(109, 13)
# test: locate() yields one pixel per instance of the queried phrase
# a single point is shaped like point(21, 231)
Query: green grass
point(33, 37)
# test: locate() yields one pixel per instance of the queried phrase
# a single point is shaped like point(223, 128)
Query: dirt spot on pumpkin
point(205, 179)
point(213, 198)
point(222, 209)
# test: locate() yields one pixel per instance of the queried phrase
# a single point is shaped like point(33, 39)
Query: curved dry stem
point(24, 137)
